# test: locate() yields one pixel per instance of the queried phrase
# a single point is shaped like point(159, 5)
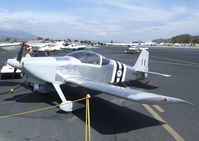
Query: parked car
point(7, 72)
point(132, 49)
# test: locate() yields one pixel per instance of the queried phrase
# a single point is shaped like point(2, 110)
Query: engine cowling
point(43, 68)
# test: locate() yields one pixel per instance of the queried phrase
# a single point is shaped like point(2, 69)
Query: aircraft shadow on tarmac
point(140, 84)
point(30, 97)
point(18, 86)
point(9, 83)
point(106, 117)
point(110, 118)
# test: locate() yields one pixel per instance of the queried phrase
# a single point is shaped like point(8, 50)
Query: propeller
point(19, 56)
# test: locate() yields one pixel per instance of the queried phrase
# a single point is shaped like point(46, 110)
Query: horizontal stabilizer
point(142, 62)
point(156, 73)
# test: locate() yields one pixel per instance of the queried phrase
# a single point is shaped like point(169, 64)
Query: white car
point(132, 49)
point(7, 71)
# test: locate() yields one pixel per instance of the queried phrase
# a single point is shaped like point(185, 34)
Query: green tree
point(7, 39)
point(47, 39)
point(196, 39)
point(88, 42)
point(68, 40)
point(184, 38)
point(39, 38)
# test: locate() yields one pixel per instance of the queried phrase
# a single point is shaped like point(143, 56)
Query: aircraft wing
point(126, 93)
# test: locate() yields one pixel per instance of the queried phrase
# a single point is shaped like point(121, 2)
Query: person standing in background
point(30, 52)
point(35, 86)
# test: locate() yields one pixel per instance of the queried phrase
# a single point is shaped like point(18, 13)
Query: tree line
point(183, 38)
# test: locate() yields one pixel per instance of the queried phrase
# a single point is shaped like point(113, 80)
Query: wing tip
point(167, 75)
point(176, 100)
point(189, 103)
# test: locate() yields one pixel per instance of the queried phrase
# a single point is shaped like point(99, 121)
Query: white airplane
point(93, 71)
point(74, 46)
point(10, 46)
point(135, 49)
point(53, 47)
point(37, 46)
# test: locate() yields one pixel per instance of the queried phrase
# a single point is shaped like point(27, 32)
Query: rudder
point(141, 64)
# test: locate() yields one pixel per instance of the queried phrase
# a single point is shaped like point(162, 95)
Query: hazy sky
point(123, 20)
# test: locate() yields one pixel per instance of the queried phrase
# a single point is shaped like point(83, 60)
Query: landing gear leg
point(66, 105)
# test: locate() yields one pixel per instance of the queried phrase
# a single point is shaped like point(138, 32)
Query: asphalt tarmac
point(112, 118)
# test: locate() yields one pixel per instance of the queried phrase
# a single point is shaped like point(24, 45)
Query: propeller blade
point(19, 57)
point(20, 53)
point(13, 76)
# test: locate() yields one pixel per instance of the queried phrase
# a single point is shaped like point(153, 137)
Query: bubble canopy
point(89, 57)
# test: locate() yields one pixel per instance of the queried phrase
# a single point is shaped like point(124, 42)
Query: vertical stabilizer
point(142, 62)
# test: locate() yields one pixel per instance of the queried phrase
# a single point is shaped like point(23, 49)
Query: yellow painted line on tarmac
point(166, 126)
point(159, 108)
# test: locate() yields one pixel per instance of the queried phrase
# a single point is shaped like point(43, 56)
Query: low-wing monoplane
point(93, 71)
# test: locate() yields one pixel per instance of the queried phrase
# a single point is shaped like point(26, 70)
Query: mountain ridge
point(15, 34)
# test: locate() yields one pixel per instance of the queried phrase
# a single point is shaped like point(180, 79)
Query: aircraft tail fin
point(141, 64)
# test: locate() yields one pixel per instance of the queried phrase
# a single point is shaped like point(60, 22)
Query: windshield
point(86, 57)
